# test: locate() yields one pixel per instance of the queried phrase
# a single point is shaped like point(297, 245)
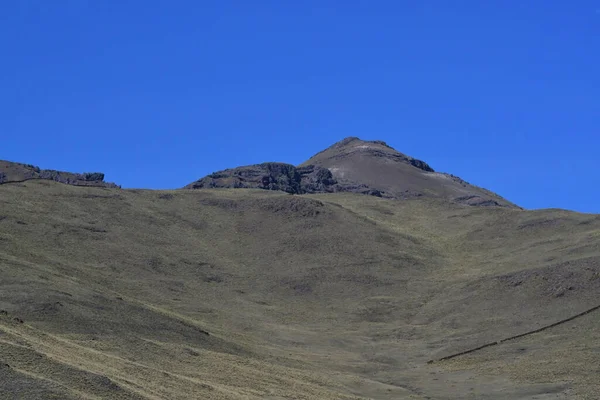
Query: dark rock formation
point(283, 177)
point(316, 179)
point(420, 164)
point(270, 176)
point(17, 172)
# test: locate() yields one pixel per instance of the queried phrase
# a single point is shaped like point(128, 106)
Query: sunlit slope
point(254, 294)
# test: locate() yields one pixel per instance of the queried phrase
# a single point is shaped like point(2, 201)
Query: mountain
point(18, 172)
point(357, 166)
point(220, 293)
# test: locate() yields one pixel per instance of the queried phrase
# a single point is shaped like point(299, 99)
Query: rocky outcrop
point(85, 179)
point(282, 177)
point(17, 172)
point(420, 164)
point(270, 176)
point(315, 179)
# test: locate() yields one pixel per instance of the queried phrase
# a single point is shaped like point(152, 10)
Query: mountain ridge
point(357, 166)
point(350, 165)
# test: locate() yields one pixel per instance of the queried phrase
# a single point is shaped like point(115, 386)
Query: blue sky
point(156, 94)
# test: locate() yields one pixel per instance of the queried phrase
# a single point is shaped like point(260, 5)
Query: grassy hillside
point(253, 294)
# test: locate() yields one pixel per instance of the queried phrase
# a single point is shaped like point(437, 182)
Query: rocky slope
point(17, 172)
point(357, 166)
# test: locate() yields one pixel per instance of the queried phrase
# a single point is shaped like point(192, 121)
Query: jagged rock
point(420, 164)
point(270, 176)
point(316, 179)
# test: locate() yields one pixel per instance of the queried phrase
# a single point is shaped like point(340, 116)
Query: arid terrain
point(351, 278)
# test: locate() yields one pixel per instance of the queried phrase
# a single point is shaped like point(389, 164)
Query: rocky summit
point(356, 166)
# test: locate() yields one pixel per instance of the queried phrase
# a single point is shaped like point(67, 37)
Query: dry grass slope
point(251, 294)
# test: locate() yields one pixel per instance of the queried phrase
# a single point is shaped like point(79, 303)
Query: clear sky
point(505, 94)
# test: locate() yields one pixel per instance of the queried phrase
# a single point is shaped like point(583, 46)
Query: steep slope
point(17, 172)
point(255, 294)
point(356, 166)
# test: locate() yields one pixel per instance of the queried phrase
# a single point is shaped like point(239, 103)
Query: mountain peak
point(353, 146)
point(359, 166)
point(353, 141)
